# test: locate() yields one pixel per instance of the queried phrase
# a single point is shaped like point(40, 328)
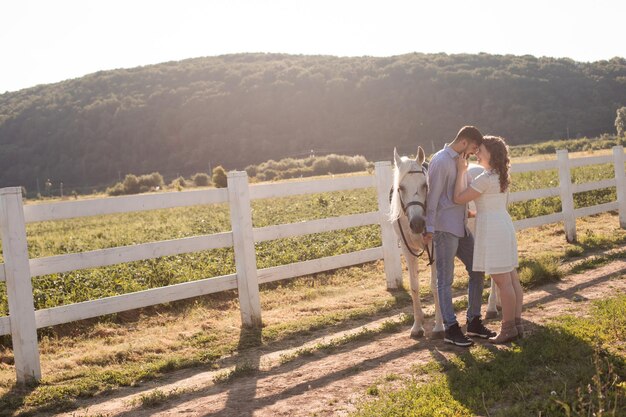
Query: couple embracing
point(493, 248)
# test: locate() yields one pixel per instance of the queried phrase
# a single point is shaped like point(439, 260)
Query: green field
point(90, 233)
point(535, 377)
point(90, 358)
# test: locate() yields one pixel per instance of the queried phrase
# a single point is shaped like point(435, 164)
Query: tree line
point(183, 117)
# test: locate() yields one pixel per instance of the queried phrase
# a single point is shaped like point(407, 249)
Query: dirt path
point(331, 383)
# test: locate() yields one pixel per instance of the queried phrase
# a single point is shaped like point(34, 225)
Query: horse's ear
point(421, 156)
point(396, 157)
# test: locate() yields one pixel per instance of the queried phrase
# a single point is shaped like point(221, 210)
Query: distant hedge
point(134, 184)
point(308, 167)
point(572, 145)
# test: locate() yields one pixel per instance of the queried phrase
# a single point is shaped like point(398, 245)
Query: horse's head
point(410, 186)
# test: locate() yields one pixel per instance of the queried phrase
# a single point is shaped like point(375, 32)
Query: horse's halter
point(412, 203)
point(431, 259)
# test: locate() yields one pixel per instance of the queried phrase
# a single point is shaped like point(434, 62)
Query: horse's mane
point(395, 206)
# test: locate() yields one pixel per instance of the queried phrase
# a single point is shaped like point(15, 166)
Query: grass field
point(87, 358)
point(90, 233)
point(535, 377)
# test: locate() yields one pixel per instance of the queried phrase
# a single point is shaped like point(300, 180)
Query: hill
point(184, 117)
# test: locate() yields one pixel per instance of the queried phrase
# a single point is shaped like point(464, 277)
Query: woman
point(495, 247)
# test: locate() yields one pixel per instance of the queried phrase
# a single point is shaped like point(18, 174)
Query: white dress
point(495, 243)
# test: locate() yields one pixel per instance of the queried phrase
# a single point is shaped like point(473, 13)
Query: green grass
point(92, 233)
point(534, 272)
point(573, 366)
point(549, 179)
point(241, 369)
point(572, 145)
point(102, 372)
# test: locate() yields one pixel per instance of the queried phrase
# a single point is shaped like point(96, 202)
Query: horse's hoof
point(491, 315)
point(417, 334)
point(438, 334)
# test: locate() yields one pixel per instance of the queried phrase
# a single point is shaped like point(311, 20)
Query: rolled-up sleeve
point(436, 183)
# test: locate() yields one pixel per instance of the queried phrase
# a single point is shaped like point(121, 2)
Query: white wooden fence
point(23, 320)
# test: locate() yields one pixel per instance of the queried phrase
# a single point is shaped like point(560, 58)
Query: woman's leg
point(519, 293)
point(507, 295)
point(519, 301)
point(508, 330)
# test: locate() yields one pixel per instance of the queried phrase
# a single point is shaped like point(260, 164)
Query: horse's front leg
point(493, 302)
point(439, 329)
point(417, 330)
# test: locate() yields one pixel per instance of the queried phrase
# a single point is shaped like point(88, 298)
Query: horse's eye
point(401, 189)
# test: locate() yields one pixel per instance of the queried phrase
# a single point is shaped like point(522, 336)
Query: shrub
point(131, 184)
point(154, 180)
point(134, 185)
point(252, 170)
point(268, 175)
point(321, 167)
point(179, 182)
point(117, 189)
point(201, 179)
point(219, 177)
point(307, 167)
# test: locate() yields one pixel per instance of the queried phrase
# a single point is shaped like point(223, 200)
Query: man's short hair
point(470, 133)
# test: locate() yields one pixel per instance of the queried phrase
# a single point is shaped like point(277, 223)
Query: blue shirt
point(443, 214)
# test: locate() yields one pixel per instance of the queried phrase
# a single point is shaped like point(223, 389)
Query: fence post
point(19, 286)
point(243, 243)
point(620, 182)
point(391, 252)
point(567, 196)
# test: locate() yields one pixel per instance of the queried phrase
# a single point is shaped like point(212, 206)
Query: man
point(446, 227)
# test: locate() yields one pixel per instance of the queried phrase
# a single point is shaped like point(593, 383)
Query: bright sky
point(44, 41)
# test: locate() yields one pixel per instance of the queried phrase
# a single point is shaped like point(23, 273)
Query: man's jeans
point(447, 246)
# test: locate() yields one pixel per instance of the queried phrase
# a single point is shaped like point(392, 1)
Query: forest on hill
point(183, 117)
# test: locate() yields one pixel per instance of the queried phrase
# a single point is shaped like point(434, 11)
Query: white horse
point(408, 215)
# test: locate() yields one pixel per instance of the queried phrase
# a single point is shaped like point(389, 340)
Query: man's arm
point(436, 183)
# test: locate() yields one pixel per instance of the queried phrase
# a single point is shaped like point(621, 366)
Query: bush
point(307, 167)
point(117, 189)
point(252, 171)
point(268, 175)
point(179, 182)
point(134, 185)
point(201, 179)
point(154, 180)
point(219, 177)
point(131, 184)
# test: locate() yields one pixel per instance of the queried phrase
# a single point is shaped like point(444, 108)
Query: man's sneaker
point(455, 336)
point(475, 328)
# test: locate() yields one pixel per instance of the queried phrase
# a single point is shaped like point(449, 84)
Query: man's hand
point(428, 238)
point(471, 214)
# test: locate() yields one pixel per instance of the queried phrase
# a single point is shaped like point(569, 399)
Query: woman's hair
point(499, 151)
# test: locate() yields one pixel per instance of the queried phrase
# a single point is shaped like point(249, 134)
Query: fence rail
point(18, 269)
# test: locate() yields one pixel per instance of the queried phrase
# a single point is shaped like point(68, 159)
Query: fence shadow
point(243, 387)
point(250, 349)
point(15, 398)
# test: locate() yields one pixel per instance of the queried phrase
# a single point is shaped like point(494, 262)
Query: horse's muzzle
point(417, 224)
